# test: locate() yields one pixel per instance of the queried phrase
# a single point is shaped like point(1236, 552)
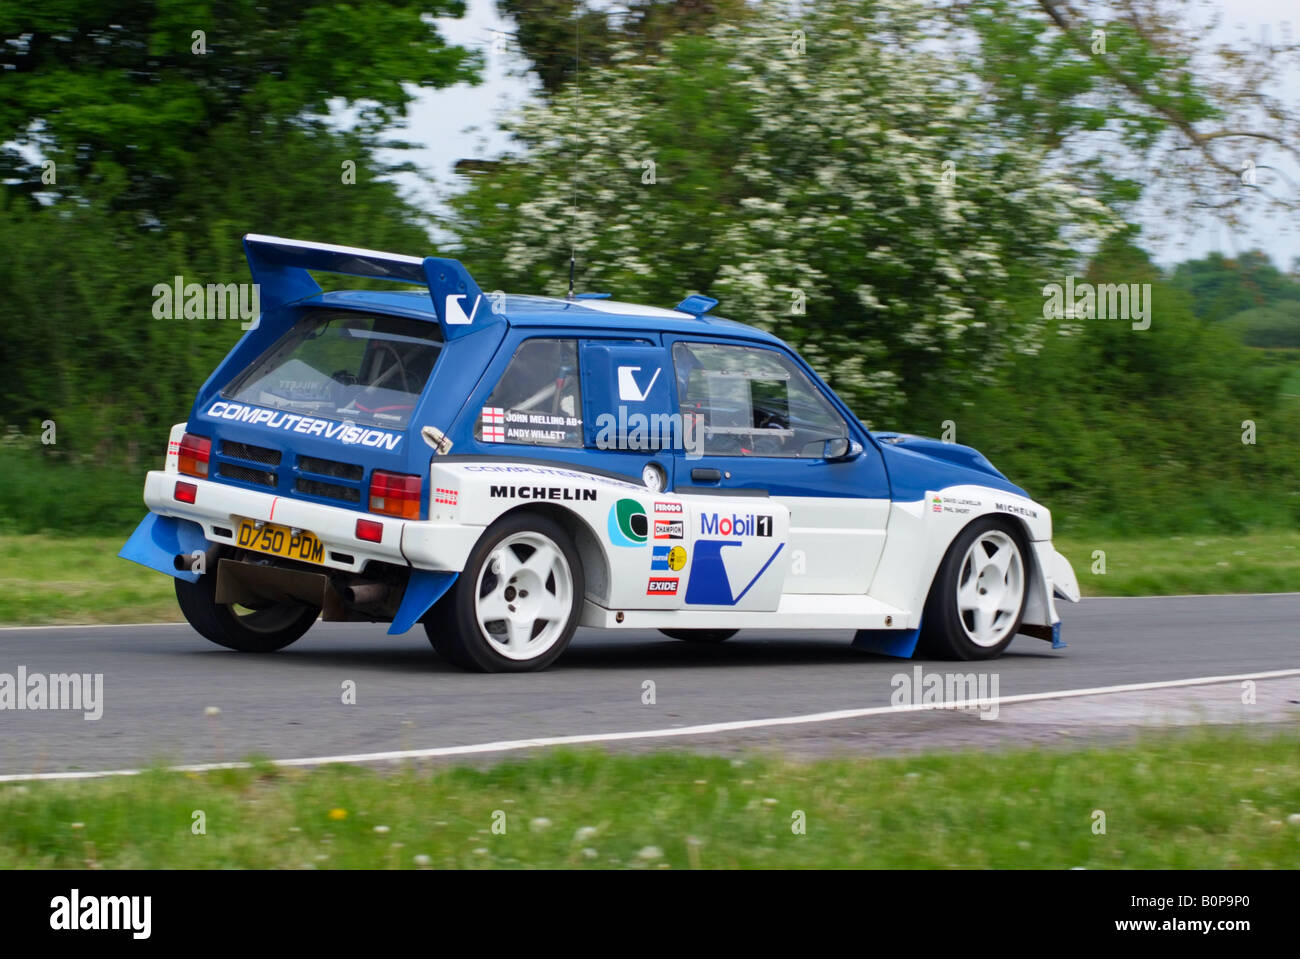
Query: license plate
point(281, 541)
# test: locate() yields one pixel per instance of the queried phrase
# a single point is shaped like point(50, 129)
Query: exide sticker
point(662, 586)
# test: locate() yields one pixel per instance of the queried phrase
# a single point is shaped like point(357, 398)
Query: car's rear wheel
point(978, 597)
point(700, 635)
point(515, 606)
point(267, 628)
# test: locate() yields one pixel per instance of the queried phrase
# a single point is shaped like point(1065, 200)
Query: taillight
point(395, 494)
point(185, 492)
point(194, 455)
point(370, 530)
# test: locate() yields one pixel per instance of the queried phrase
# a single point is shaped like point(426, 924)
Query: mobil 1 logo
point(736, 524)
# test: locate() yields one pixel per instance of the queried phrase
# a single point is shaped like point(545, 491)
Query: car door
point(754, 421)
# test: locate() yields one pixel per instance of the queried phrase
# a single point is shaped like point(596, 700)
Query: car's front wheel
point(978, 597)
point(264, 629)
point(515, 606)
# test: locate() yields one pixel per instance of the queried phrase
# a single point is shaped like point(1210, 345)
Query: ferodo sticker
point(662, 507)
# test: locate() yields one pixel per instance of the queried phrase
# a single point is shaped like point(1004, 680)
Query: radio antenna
point(577, 81)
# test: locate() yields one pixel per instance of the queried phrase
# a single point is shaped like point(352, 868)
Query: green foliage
point(1222, 287)
point(1135, 431)
point(557, 35)
point(1277, 325)
point(164, 159)
point(125, 103)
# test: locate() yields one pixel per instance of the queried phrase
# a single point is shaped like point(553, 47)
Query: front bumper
point(217, 508)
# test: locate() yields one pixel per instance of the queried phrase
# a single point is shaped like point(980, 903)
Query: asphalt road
point(158, 682)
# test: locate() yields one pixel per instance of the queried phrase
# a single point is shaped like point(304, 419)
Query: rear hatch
point(332, 400)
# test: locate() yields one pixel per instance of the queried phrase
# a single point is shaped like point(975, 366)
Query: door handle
point(706, 475)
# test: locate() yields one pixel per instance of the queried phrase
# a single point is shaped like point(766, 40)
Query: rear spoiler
point(280, 269)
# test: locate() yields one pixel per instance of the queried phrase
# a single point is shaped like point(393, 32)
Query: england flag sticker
point(494, 429)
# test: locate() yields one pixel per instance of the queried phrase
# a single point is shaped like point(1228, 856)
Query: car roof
point(546, 311)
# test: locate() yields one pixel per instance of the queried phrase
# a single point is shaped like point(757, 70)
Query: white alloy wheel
point(991, 588)
point(524, 596)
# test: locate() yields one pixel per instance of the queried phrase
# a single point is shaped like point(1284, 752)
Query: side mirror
point(839, 448)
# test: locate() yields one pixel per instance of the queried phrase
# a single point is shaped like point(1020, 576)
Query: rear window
point(345, 366)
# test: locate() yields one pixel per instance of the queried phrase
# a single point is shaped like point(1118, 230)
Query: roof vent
point(697, 305)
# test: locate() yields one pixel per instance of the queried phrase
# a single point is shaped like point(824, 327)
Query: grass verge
point(1210, 800)
point(1264, 561)
point(53, 580)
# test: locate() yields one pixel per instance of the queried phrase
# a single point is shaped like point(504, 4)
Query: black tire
point(713, 636)
point(948, 632)
point(454, 628)
point(255, 631)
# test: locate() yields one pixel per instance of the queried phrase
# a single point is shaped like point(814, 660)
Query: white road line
point(514, 745)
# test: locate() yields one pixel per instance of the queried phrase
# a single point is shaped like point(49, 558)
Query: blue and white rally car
point(505, 468)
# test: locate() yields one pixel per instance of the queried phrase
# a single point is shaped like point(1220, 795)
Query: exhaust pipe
point(185, 562)
point(362, 593)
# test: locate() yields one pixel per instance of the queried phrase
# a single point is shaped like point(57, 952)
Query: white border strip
point(513, 745)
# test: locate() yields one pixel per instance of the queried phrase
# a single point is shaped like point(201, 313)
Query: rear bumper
point(217, 508)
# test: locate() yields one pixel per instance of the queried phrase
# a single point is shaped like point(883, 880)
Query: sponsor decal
point(714, 524)
point(670, 529)
point(309, 425)
point(668, 557)
point(493, 424)
point(953, 504)
point(550, 471)
point(662, 507)
point(709, 584)
point(661, 586)
point(1018, 510)
point(502, 425)
point(454, 313)
point(628, 524)
point(448, 497)
point(628, 390)
point(542, 492)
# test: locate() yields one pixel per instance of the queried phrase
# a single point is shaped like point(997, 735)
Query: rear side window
point(537, 401)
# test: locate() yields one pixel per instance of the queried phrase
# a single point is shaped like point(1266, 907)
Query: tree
point(167, 148)
point(828, 176)
point(558, 36)
point(125, 98)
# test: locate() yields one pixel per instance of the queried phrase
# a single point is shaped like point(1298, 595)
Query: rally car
point(502, 469)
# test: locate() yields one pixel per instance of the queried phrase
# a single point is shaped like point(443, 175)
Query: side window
point(537, 401)
point(753, 401)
